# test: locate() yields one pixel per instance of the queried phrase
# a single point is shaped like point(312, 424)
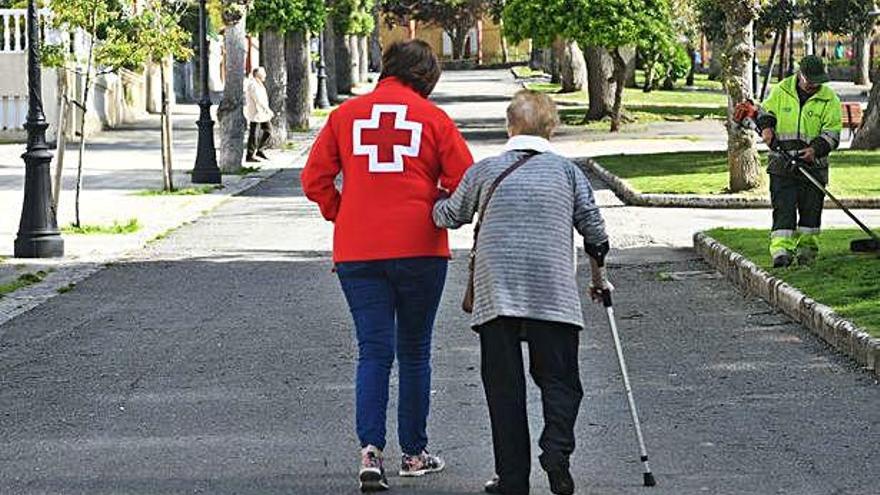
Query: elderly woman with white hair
point(529, 201)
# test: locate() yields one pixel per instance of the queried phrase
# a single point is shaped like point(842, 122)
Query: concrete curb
point(67, 273)
point(841, 334)
point(633, 197)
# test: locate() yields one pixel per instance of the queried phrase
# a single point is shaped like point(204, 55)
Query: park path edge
point(632, 197)
point(838, 332)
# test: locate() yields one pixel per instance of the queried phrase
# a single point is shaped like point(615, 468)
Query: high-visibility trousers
point(797, 214)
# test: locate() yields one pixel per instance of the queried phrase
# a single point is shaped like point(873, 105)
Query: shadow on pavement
point(233, 374)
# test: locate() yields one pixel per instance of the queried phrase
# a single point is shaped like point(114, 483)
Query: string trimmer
point(745, 116)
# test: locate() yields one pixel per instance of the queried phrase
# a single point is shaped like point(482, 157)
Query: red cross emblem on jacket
point(395, 149)
point(386, 138)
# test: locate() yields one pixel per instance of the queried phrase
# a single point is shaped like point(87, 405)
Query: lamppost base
point(201, 176)
point(206, 170)
point(42, 245)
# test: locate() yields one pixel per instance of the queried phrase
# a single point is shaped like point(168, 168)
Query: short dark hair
point(414, 63)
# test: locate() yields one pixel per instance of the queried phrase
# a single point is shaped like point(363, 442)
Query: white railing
point(13, 22)
point(13, 112)
point(13, 64)
point(13, 25)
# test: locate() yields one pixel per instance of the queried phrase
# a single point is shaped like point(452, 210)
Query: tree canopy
point(353, 16)
point(286, 15)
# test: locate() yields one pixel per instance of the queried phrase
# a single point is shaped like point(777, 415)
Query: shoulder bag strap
point(519, 163)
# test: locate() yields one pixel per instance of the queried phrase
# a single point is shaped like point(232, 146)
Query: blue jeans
point(393, 303)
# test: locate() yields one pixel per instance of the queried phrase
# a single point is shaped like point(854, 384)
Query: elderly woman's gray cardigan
point(525, 265)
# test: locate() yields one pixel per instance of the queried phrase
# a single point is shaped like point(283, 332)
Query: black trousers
point(796, 202)
point(553, 357)
point(253, 145)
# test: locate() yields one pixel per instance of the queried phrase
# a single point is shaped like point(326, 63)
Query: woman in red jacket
point(393, 148)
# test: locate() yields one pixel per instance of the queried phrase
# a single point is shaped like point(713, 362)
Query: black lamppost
point(205, 170)
point(321, 100)
point(38, 235)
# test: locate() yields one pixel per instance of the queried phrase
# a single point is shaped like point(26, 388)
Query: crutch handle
point(606, 298)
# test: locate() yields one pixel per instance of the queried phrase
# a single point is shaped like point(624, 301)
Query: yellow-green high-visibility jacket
point(816, 124)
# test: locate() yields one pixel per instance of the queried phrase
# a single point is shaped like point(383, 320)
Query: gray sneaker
point(372, 473)
point(420, 465)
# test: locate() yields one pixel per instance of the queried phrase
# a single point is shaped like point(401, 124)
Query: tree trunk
point(648, 85)
point(60, 137)
point(355, 49)
point(87, 87)
point(459, 38)
point(272, 56)
point(572, 68)
point(599, 74)
point(548, 61)
point(555, 67)
point(782, 57)
point(619, 83)
point(632, 61)
point(742, 155)
point(343, 64)
point(375, 49)
point(692, 53)
point(715, 66)
point(364, 52)
point(505, 49)
point(165, 129)
point(230, 111)
point(868, 136)
point(862, 59)
point(536, 58)
point(330, 60)
point(299, 94)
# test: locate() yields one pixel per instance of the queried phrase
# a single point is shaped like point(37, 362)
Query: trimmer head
point(865, 246)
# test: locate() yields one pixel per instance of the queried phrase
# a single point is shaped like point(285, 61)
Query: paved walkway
point(220, 360)
point(119, 164)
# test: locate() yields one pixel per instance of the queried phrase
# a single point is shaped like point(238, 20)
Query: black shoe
point(561, 482)
point(495, 485)
point(262, 155)
point(251, 159)
point(782, 260)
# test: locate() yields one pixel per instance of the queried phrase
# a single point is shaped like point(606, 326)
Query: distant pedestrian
point(393, 148)
point(258, 114)
point(839, 51)
point(525, 287)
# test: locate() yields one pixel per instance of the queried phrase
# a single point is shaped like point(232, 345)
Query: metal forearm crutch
point(643, 451)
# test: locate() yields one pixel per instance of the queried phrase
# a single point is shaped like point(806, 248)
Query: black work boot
point(782, 260)
point(807, 256)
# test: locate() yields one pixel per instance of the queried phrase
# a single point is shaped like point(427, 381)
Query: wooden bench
point(852, 116)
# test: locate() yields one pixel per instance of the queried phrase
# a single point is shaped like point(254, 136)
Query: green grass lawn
point(186, 191)
point(524, 72)
point(854, 174)
point(641, 107)
point(845, 281)
point(129, 227)
point(22, 281)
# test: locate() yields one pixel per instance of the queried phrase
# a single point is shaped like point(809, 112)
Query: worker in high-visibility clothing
point(802, 115)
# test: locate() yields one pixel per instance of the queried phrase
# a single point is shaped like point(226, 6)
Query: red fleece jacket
point(393, 148)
